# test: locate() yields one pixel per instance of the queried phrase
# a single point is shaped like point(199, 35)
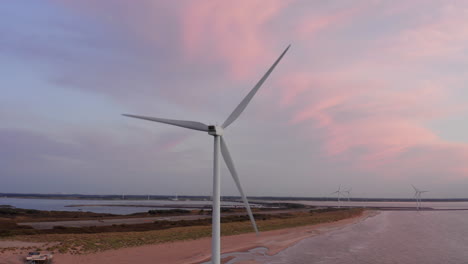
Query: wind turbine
point(338, 192)
point(176, 198)
point(348, 193)
point(220, 145)
point(417, 196)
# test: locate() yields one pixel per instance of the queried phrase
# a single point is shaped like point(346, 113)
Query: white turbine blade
point(240, 108)
point(415, 189)
point(232, 169)
point(181, 123)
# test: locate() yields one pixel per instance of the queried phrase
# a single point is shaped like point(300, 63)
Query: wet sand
point(428, 237)
point(197, 251)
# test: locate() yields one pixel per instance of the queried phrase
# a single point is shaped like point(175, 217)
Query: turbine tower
point(348, 194)
point(338, 192)
point(220, 145)
point(417, 196)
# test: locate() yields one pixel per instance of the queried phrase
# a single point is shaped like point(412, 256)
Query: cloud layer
point(370, 94)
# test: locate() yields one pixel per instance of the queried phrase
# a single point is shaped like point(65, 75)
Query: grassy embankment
point(30, 215)
point(74, 240)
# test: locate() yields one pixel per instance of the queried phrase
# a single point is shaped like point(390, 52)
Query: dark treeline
point(99, 197)
point(257, 199)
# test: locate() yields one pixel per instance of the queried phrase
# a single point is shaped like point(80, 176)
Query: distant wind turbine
point(220, 145)
point(417, 196)
point(338, 193)
point(348, 194)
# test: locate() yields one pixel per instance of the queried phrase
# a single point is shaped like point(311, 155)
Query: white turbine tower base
point(220, 145)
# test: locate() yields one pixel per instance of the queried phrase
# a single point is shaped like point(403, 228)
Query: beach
point(189, 251)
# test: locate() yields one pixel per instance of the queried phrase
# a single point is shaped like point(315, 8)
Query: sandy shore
point(20, 248)
point(194, 251)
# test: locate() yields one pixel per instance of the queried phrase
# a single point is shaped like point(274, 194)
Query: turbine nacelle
point(215, 130)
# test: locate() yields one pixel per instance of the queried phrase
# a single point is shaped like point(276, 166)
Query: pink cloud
point(293, 85)
point(318, 111)
point(443, 36)
point(370, 119)
point(382, 138)
point(373, 107)
point(446, 161)
point(376, 108)
point(235, 34)
point(312, 25)
point(231, 32)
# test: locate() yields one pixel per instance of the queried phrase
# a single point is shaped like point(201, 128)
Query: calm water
point(390, 237)
point(60, 205)
point(435, 205)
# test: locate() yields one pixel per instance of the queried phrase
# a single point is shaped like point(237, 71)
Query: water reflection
point(390, 237)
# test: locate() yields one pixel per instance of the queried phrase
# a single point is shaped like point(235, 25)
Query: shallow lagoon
point(390, 237)
point(62, 205)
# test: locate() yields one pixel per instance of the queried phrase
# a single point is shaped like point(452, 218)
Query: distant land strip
point(201, 198)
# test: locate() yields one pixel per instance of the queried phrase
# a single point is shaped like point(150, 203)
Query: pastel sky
point(372, 95)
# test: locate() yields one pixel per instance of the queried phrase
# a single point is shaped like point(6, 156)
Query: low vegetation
point(92, 239)
point(31, 215)
point(169, 212)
